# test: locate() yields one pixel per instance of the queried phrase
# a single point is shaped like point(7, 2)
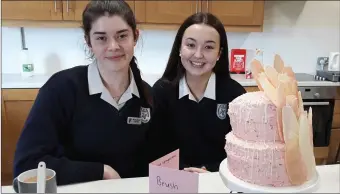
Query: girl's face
point(112, 42)
point(200, 49)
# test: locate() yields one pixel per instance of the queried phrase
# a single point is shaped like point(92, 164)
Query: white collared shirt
point(208, 93)
point(96, 86)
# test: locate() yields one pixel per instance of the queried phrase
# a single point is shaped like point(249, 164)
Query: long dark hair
point(96, 9)
point(174, 69)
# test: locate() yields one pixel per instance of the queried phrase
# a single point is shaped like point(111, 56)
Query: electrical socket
point(320, 59)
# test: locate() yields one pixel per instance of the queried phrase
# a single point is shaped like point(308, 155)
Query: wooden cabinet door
point(169, 12)
point(31, 10)
point(336, 115)
point(73, 10)
point(334, 146)
point(15, 106)
point(251, 88)
point(236, 13)
point(140, 11)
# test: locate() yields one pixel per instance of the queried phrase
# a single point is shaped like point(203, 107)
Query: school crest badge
point(221, 111)
point(145, 114)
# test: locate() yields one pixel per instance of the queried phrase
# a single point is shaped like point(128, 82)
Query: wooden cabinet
point(336, 116)
point(15, 106)
point(169, 12)
point(252, 89)
point(65, 10)
point(335, 134)
point(235, 15)
point(73, 10)
point(31, 10)
point(334, 145)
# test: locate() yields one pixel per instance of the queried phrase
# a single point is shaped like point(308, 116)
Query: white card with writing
point(165, 176)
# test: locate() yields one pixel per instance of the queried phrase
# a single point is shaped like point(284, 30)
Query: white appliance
point(333, 61)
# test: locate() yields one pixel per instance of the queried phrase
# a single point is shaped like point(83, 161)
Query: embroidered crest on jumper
point(145, 114)
point(221, 111)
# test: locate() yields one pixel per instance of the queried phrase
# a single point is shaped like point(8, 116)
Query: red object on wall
point(238, 60)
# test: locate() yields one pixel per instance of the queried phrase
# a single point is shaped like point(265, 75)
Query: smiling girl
point(89, 122)
point(191, 99)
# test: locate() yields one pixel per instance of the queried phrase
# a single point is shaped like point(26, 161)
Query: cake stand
point(237, 185)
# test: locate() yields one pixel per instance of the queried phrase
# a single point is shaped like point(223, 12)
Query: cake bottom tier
point(258, 163)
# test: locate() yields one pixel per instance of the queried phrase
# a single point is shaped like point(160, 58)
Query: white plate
point(237, 185)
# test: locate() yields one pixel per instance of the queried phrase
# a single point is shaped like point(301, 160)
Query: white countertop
point(37, 81)
point(208, 183)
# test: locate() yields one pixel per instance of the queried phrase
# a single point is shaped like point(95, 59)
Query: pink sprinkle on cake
point(255, 153)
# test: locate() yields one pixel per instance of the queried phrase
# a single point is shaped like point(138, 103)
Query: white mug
point(21, 185)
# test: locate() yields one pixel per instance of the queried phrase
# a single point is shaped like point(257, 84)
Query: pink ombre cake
point(255, 153)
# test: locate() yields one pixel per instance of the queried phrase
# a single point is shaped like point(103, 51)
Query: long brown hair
point(96, 9)
point(175, 70)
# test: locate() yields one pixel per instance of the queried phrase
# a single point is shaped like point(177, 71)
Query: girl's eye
point(101, 38)
point(190, 45)
point(209, 47)
point(122, 36)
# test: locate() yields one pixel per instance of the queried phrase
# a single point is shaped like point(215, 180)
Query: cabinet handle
point(207, 5)
point(315, 103)
point(67, 6)
point(196, 5)
point(55, 6)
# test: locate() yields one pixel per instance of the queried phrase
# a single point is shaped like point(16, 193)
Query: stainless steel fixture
point(337, 157)
point(23, 41)
point(317, 92)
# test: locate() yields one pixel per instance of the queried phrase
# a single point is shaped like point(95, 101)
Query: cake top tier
point(250, 98)
point(253, 117)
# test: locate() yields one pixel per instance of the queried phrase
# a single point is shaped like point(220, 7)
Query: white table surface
point(37, 81)
point(208, 183)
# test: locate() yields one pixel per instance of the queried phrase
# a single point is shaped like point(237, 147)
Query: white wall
point(299, 31)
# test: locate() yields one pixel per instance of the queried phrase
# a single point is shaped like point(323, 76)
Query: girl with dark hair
point(90, 122)
point(191, 99)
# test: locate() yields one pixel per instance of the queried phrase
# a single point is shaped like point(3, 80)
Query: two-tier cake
point(271, 141)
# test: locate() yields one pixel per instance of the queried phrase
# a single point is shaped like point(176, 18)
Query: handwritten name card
point(165, 176)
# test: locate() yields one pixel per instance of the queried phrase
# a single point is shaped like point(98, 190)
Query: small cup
point(26, 182)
